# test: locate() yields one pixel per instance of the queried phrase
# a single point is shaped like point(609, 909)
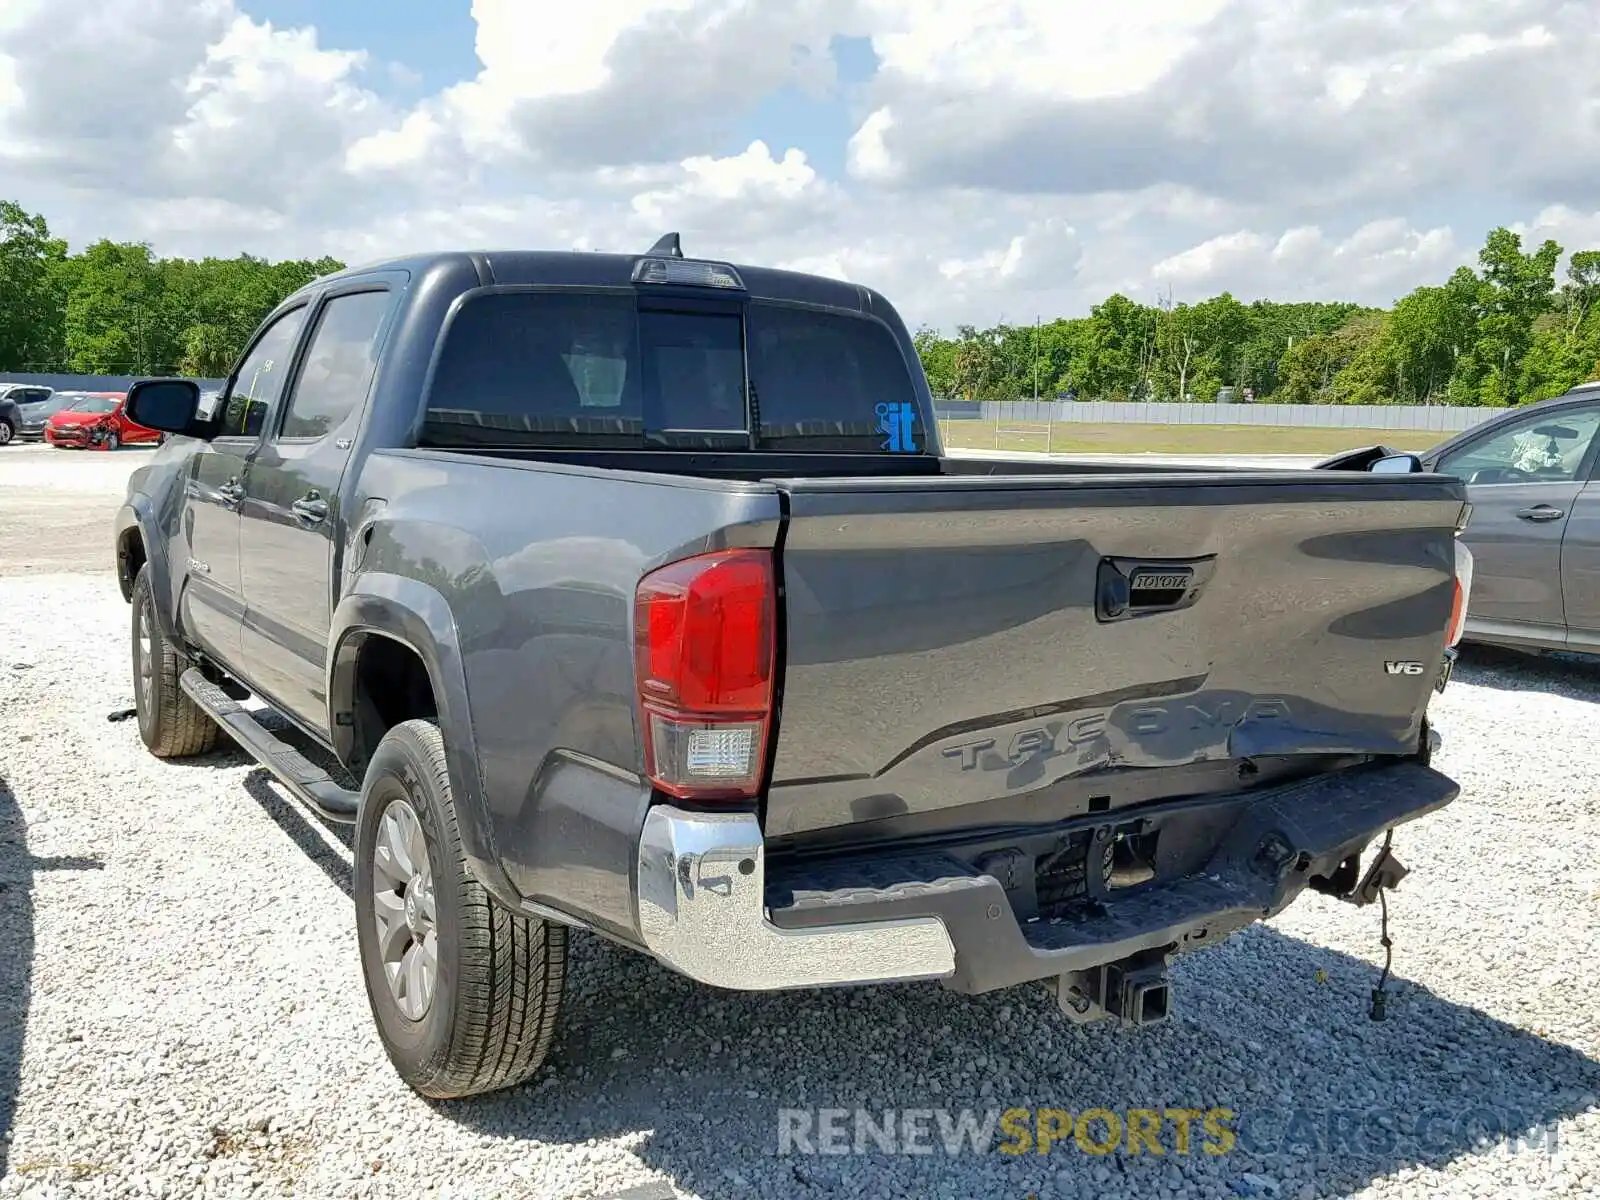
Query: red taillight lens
point(703, 656)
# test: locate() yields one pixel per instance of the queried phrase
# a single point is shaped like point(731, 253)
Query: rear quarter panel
point(537, 565)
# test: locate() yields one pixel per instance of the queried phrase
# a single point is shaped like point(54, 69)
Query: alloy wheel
point(404, 911)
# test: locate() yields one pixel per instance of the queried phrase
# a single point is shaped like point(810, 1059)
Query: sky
point(975, 160)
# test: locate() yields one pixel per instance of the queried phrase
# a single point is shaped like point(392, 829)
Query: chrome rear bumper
point(703, 895)
point(702, 911)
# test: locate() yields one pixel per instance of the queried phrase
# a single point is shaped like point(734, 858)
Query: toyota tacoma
point(635, 594)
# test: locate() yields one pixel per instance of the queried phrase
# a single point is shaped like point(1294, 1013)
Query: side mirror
point(1396, 464)
point(167, 405)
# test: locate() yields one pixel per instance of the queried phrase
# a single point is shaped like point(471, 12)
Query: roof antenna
point(668, 245)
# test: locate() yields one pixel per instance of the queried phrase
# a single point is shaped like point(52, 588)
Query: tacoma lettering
point(1149, 720)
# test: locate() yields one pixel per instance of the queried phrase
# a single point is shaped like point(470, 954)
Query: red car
point(96, 422)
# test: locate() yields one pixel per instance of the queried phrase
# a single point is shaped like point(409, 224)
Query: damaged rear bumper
point(709, 907)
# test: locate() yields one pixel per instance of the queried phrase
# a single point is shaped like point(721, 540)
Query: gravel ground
point(56, 506)
point(181, 1013)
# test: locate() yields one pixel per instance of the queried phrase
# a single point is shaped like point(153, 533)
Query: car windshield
point(50, 404)
point(95, 404)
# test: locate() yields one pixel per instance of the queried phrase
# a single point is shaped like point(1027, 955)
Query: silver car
point(1532, 477)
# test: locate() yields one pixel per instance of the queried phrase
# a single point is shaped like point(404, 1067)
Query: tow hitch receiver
point(1135, 991)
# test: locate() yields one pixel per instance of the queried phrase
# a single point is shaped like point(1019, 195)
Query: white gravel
point(178, 972)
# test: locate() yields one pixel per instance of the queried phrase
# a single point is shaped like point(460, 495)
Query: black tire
point(113, 442)
point(170, 724)
point(8, 433)
point(500, 976)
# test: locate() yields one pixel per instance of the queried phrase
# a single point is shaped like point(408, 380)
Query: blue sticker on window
point(895, 421)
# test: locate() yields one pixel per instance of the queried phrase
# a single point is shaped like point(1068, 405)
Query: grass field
point(1067, 437)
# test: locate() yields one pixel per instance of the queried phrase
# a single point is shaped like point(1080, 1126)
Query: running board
point(311, 785)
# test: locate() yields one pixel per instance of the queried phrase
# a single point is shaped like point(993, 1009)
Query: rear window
point(560, 369)
point(828, 381)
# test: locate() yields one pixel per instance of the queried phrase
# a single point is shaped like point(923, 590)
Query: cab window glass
point(339, 365)
point(258, 382)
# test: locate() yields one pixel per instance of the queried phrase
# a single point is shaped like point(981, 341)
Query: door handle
point(231, 492)
point(1541, 512)
point(311, 507)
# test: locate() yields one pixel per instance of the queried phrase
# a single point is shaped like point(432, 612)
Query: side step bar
point(311, 785)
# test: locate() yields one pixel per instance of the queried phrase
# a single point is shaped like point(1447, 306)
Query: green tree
point(1119, 351)
point(1513, 291)
point(975, 365)
point(1428, 331)
point(208, 351)
point(31, 301)
point(938, 360)
point(115, 318)
point(1314, 369)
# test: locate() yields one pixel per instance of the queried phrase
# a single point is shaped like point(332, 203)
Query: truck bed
point(947, 660)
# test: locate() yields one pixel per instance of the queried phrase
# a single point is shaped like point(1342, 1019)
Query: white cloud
point(1568, 227)
point(169, 99)
point(1068, 49)
point(625, 80)
point(1374, 263)
point(1295, 101)
point(10, 89)
point(1044, 256)
point(1009, 156)
point(261, 100)
point(737, 198)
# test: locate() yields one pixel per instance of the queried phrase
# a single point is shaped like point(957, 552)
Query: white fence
point(1430, 419)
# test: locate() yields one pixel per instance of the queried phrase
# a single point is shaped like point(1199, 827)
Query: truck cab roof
point(578, 268)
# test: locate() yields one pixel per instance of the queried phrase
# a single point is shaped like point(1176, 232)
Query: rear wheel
point(170, 724)
point(465, 994)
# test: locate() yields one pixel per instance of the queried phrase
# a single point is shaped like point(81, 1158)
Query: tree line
point(1506, 332)
point(117, 309)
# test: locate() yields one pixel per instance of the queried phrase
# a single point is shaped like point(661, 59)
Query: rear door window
point(339, 365)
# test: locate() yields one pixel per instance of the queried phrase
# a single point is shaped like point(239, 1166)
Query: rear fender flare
point(419, 618)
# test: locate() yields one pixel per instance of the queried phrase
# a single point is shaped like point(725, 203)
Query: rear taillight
point(1458, 609)
point(704, 647)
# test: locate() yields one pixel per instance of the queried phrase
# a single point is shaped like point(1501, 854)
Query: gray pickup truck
point(635, 594)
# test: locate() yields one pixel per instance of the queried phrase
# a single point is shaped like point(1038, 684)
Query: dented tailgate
point(953, 642)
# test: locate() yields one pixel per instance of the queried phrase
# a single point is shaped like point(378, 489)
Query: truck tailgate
point(950, 642)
